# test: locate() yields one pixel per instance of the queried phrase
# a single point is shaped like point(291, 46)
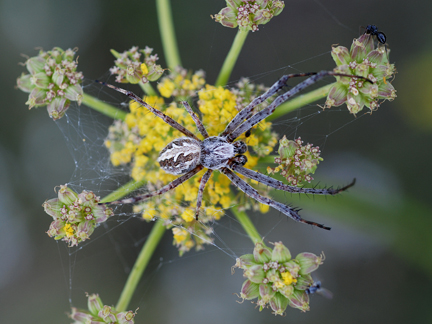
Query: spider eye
point(240, 147)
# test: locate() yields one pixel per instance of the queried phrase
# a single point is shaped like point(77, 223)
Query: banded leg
point(255, 119)
point(173, 184)
point(264, 179)
point(202, 185)
point(195, 118)
point(161, 115)
point(246, 112)
point(251, 192)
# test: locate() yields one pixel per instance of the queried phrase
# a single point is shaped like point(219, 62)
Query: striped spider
point(188, 155)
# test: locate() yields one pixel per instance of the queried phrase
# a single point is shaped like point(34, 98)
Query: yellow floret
point(287, 278)
point(69, 231)
point(188, 215)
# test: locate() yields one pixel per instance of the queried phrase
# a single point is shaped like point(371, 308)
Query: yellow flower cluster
point(142, 136)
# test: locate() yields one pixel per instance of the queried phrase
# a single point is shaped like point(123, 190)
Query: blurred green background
point(379, 264)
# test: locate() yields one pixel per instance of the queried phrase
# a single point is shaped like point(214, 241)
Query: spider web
point(114, 245)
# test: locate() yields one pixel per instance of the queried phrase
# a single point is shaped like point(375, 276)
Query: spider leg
point(264, 179)
point(173, 184)
point(158, 113)
point(202, 185)
point(251, 192)
point(247, 111)
point(195, 118)
point(255, 119)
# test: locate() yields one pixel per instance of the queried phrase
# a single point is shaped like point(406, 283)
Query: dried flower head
point(248, 14)
point(363, 59)
point(296, 162)
point(135, 65)
point(75, 215)
point(99, 313)
point(276, 279)
point(53, 81)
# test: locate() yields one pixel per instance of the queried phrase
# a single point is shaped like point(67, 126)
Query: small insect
point(373, 30)
point(317, 288)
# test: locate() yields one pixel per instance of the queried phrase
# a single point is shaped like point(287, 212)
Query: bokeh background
point(379, 264)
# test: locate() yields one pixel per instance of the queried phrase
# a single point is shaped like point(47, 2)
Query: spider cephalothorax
point(186, 156)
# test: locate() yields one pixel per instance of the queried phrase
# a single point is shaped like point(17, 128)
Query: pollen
point(69, 231)
point(288, 278)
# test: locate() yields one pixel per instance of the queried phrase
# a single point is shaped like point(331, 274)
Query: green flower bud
point(24, 83)
point(266, 292)
point(36, 98)
point(66, 195)
point(255, 273)
point(74, 93)
point(57, 108)
point(300, 300)
point(309, 262)
point(245, 261)
point(304, 282)
point(280, 253)
point(106, 313)
point(249, 290)
point(94, 304)
point(126, 317)
point(80, 316)
point(35, 64)
point(278, 304)
point(262, 253)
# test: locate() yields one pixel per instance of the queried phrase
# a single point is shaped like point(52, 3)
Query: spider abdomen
point(180, 156)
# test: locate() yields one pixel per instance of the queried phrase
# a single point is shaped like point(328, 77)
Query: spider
point(188, 155)
point(373, 30)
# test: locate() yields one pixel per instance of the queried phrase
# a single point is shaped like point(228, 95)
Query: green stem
point(148, 89)
point(141, 263)
point(231, 58)
point(166, 26)
point(124, 190)
point(247, 224)
point(300, 101)
point(103, 107)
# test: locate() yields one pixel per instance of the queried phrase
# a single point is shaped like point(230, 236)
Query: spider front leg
point(202, 185)
point(246, 112)
point(263, 114)
point(264, 179)
point(173, 184)
point(251, 192)
point(167, 119)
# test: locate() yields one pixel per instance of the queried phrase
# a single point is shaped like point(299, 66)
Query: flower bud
point(280, 253)
point(300, 300)
point(94, 304)
point(249, 290)
point(278, 304)
point(262, 253)
point(309, 262)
